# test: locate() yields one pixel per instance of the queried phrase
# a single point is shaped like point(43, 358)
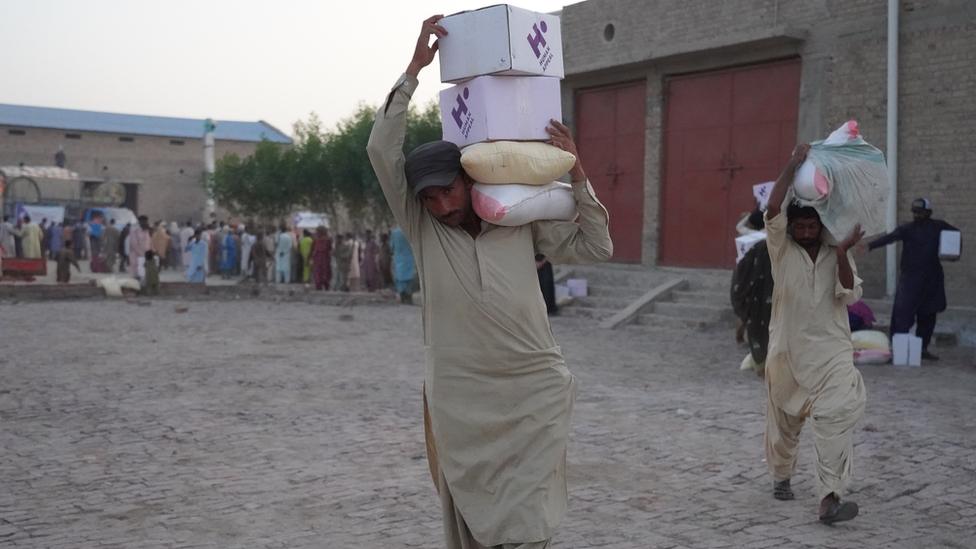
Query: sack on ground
point(872, 356)
point(514, 205)
point(846, 180)
point(869, 339)
point(525, 162)
point(113, 286)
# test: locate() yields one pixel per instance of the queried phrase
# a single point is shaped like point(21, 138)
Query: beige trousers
point(835, 408)
point(456, 530)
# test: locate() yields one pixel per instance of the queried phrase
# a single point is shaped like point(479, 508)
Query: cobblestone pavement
point(253, 424)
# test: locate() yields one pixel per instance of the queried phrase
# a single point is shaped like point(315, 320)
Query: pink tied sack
point(810, 183)
point(514, 204)
point(872, 356)
point(849, 131)
point(486, 207)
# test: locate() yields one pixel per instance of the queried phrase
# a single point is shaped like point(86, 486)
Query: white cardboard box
point(950, 245)
point(906, 350)
point(915, 351)
point(761, 192)
point(577, 287)
point(562, 292)
point(500, 39)
point(491, 108)
point(745, 243)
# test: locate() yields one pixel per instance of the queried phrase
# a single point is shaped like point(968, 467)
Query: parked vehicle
point(122, 216)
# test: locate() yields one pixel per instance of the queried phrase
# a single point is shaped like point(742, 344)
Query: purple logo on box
point(537, 41)
point(461, 115)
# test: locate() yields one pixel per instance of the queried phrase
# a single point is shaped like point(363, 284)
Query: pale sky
point(225, 59)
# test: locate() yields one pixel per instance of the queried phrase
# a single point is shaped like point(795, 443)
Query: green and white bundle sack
point(845, 179)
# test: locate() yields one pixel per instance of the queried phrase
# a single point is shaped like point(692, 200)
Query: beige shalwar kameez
point(498, 391)
point(810, 365)
point(30, 240)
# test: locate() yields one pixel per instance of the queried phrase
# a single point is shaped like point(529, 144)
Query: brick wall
point(169, 174)
point(843, 47)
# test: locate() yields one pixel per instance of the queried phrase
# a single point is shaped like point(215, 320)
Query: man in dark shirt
point(547, 282)
point(921, 287)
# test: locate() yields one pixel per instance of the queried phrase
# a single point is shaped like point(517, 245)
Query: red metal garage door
point(610, 136)
point(724, 132)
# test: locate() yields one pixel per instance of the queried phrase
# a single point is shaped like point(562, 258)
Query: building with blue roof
point(135, 124)
point(158, 160)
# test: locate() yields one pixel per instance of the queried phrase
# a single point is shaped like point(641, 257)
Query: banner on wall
point(53, 214)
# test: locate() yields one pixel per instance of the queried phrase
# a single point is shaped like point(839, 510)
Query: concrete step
point(880, 307)
point(705, 312)
point(631, 276)
point(615, 302)
point(657, 320)
point(701, 279)
point(607, 290)
point(720, 284)
point(594, 313)
point(701, 296)
point(656, 327)
point(617, 276)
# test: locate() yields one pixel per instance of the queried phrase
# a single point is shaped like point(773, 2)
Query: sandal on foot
point(782, 490)
point(839, 512)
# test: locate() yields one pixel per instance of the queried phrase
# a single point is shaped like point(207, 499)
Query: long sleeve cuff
point(848, 296)
point(406, 84)
point(586, 198)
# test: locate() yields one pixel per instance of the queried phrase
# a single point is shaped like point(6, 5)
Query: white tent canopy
point(38, 172)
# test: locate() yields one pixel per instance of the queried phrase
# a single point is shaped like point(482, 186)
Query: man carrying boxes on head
point(497, 390)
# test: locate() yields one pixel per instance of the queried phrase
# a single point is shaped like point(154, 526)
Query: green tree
point(256, 185)
point(352, 173)
point(423, 126)
point(323, 171)
point(313, 178)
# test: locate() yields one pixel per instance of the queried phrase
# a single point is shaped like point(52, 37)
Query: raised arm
point(385, 147)
point(884, 240)
point(845, 270)
point(775, 223)
point(588, 238)
point(785, 179)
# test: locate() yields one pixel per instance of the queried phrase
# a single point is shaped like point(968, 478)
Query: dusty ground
point(85, 276)
point(255, 424)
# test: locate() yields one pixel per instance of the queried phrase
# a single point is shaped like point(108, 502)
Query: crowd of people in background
point(27, 239)
point(347, 262)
